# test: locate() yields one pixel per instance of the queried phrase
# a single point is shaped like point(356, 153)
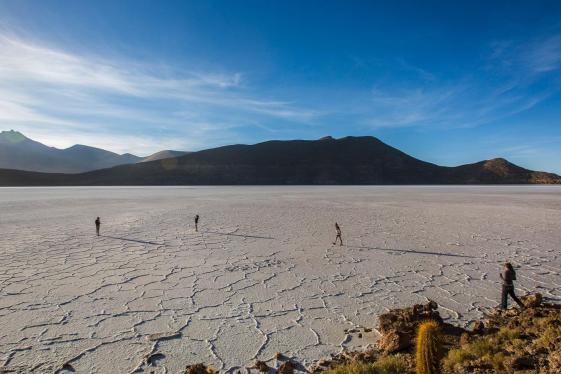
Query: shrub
point(391, 365)
point(353, 368)
point(457, 357)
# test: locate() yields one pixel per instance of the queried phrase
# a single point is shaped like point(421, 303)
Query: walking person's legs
point(504, 295)
point(515, 298)
point(338, 237)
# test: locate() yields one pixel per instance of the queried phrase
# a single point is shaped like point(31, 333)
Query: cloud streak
point(61, 98)
point(515, 77)
point(41, 87)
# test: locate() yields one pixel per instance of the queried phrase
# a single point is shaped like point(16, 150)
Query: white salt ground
point(260, 277)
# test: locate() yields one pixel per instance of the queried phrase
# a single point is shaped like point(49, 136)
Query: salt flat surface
point(260, 277)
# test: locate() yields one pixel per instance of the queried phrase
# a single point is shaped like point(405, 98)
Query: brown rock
point(360, 335)
point(261, 366)
point(479, 327)
point(465, 339)
point(287, 368)
point(395, 341)
point(198, 369)
point(408, 318)
point(430, 306)
point(532, 300)
point(512, 312)
point(386, 322)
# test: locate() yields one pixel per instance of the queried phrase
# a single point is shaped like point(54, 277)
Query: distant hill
point(19, 152)
point(347, 161)
point(163, 154)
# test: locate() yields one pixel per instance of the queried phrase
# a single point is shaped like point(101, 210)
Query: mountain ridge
point(22, 153)
point(346, 161)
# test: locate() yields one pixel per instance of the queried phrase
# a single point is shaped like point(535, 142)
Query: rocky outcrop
point(198, 369)
point(511, 341)
point(399, 326)
point(532, 300)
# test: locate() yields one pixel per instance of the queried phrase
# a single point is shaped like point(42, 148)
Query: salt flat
point(260, 277)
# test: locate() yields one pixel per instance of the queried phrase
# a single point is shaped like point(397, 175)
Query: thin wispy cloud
point(47, 90)
point(515, 75)
point(92, 96)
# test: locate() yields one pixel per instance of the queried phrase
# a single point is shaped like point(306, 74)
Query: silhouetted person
point(197, 222)
point(509, 276)
point(97, 225)
point(338, 230)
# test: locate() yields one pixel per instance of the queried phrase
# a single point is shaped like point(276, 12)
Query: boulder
point(287, 368)
point(198, 369)
point(395, 341)
point(478, 327)
point(408, 318)
point(261, 366)
point(532, 300)
point(399, 326)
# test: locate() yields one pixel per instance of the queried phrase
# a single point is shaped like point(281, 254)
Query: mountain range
point(19, 152)
point(347, 161)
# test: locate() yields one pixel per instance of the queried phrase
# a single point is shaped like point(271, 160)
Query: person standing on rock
point(338, 236)
point(197, 222)
point(97, 225)
point(509, 276)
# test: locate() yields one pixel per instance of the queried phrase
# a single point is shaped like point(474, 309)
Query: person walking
point(97, 225)
point(338, 231)
point(509, 276)
point(197, 222)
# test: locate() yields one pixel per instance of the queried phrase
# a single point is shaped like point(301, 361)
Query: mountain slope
point(499, 171)
point(163, 154)
point(20, 152)
point(350, 160)
point(363, 160)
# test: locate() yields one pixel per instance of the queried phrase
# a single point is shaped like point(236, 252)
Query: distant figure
point(338, 230)
point(508, 276)
point(97, 225)
point(197, 222)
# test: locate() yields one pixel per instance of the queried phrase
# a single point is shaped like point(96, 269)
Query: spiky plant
point(429, 348)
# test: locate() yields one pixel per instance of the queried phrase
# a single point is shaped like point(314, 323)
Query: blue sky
point(447, 82)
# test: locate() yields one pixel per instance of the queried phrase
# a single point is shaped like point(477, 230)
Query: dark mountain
point(20, 152)
point(498, 171)
point(163, 154)
point(350, 160)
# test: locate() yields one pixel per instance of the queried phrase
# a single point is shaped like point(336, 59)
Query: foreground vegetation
point(415, 340)
point(512, 341)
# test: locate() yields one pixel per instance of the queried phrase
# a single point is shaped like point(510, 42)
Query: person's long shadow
point(242, 235)
point(132, 240)
point(410, 251)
